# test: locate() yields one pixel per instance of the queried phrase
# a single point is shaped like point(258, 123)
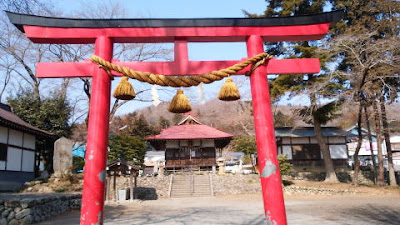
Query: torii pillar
point(104, 32)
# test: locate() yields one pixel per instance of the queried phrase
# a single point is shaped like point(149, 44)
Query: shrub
point(285, 166)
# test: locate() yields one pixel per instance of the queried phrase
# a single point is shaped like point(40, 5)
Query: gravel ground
point(247, 209)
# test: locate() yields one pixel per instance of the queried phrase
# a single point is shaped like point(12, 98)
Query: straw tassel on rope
point(180, 103)
point(124, 90)
point(183, 81)
point(229, 91)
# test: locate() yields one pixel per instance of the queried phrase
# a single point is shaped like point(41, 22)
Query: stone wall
point(250, 184)
point(18, 209)
point(148, 188)
point(236, 184)
point(365, 177)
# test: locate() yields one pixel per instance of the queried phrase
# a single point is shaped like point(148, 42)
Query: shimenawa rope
point(183, 81)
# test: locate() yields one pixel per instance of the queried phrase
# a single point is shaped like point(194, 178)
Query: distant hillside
point(236, 117)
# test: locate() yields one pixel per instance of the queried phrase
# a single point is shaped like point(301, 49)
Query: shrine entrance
point(105, 32)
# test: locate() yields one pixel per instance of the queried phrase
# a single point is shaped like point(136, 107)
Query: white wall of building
point(20, 150)
point(172, 144)
point(29, 141)
point(365, 149)
point(28, 161)
point(338, 151)
point(15, 138)
point(287, 150)
point(337, 146)
point(207, 143)
point(14, 156)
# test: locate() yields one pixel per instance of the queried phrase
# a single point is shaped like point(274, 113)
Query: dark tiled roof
point(9, 119)
point(309, 132)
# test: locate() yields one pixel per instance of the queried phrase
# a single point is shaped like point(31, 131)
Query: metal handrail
point(170, 185)
point(211, 185)
point(191, 184)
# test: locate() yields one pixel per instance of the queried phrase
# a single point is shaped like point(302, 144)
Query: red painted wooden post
point(265, 135)
point(97, 140)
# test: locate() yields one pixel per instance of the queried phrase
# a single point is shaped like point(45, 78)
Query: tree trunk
point(381, 172)
point(392, 176)
point(359, 143)
point(330, 170)
point(371, 146)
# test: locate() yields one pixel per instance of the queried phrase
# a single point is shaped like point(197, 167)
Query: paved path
point(248, 210)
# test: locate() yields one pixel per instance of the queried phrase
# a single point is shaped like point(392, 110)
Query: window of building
point(3, 152)
point(310, 151)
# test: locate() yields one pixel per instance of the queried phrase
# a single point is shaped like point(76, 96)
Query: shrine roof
point(119, 163)
point(190, 131)
point(309, 132)
point(9, 119)
point(24, 19)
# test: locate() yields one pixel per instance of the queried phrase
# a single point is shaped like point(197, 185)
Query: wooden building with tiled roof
point(21, 148)
point(301, 147)
point(190, 144)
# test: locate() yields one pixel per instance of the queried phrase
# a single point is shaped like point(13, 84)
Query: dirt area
point(362, 189)
point(368, 206)
point(359, 190)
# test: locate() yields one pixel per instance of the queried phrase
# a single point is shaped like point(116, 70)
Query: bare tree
point(368, 58)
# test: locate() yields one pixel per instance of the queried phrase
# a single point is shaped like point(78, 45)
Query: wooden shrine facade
point(190, 144)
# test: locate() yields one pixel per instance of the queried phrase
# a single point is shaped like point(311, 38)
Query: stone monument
point(62, 159)
point(221, 166)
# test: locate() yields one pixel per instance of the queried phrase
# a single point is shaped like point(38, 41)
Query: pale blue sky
point(197, 51)
point(181, 8)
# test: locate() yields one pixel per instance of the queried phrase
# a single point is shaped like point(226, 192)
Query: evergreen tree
point(163, 123)
point(282, 120)
point(247, 145)
point(140, 128)
point(127, 148)
point(47, 113)
point(177, 118)
point(314, 85)
point(369, 34)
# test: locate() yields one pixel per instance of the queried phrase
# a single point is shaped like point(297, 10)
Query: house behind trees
point(301, 147)
point(22, 149)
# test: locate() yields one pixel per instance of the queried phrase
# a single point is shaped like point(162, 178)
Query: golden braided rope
point(183, 81)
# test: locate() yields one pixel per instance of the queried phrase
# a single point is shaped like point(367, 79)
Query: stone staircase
point(189, 185)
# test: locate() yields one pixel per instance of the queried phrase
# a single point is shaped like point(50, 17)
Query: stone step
point(181, 193)
point(183, 188)
point(202, 195)
point(202, 190)
point(198, 191)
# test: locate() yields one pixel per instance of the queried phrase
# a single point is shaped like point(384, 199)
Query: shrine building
point(190, 145)
point(21, 148)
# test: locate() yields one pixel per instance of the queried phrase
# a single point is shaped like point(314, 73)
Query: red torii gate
point(104, 32)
